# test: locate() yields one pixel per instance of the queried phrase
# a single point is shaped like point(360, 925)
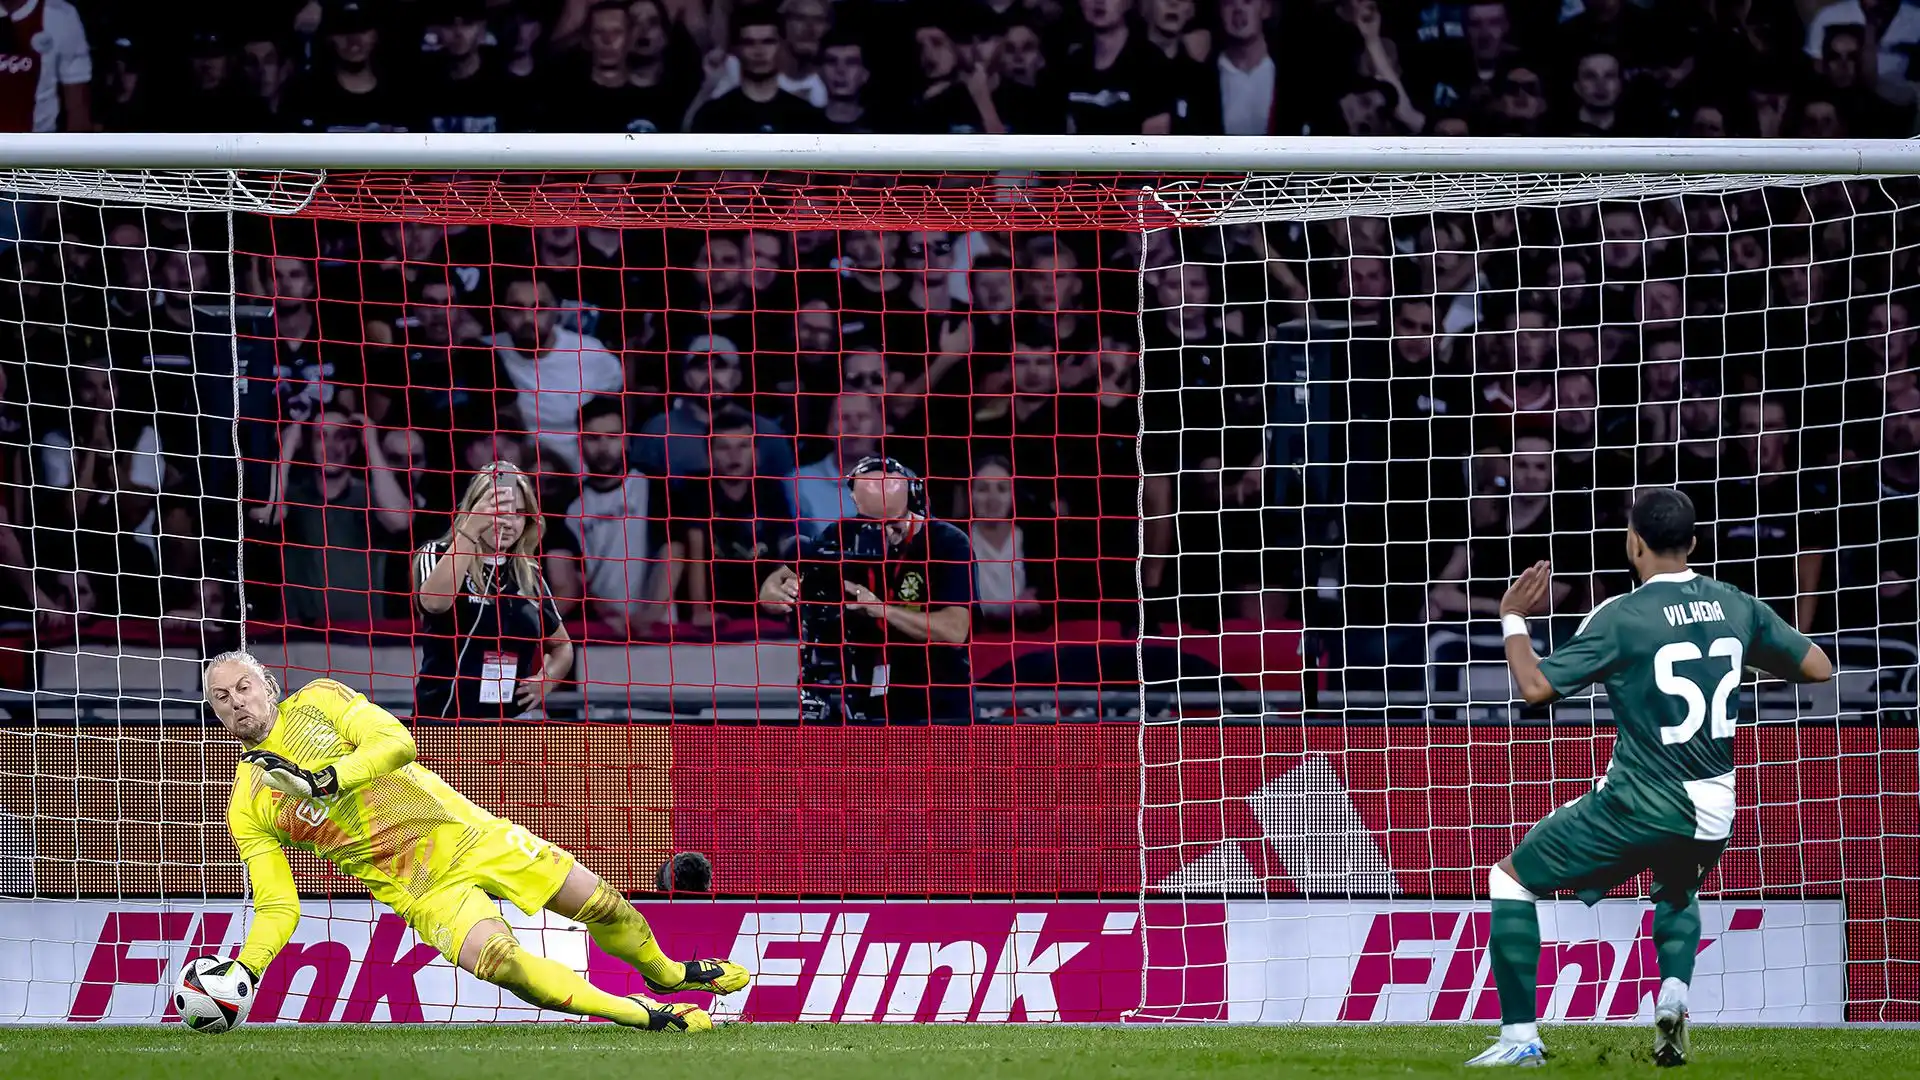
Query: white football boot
point(1670, 1034)
point(1524, 1053)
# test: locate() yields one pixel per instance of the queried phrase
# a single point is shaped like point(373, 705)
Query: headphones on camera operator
point(916, 487)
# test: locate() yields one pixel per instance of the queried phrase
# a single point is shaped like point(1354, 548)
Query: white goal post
point(1369, 376)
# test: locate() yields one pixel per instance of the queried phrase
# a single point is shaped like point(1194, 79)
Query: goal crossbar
point(380, 150)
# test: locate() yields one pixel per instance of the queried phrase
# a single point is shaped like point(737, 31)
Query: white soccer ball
point(214, 994)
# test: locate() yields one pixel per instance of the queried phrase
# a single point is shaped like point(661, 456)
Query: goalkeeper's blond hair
point(246, 660)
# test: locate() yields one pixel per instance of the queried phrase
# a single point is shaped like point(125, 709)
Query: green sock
point(1676, 936)
point(1516, 959)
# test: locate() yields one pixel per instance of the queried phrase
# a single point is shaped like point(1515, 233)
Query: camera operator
point(886, 607)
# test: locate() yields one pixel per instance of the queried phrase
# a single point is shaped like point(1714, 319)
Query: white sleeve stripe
point(1598, 608)
point(423, 564)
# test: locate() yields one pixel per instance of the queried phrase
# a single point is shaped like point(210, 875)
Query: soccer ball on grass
point(214, 994)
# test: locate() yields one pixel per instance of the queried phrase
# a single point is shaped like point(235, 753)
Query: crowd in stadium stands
point(1366, 424)
point(1706, 68)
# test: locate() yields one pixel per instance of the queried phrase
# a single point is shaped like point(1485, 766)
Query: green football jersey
point(1672, 654)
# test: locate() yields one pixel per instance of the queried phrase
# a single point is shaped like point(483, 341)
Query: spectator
point(1774, 521)
point(1842, 69)
point(468, 91)
point(334, 547)
point(626, 85)
point(845, 74)
point(612, 556)
point(759, 104)
point(1115, 82)
point(803, 27)
point(264, 64)
point(1003, 588)
point(855, 427)
point(492, 552)
point(1379, 71)
point(215, 94)
point(956, 95)
point(1463, 73)
point(524, 70)
point(1880, 530)
point(554, 369)
point(1169, 27)
point(1617, 28)
point(99, 470)
point(445, 370)
point(1519, 105)
point(1895, 24)
point(1512, 526)
point(675, 443)
point(48, 68)
point(1028, 98)
point(735, 521)
point(350, 93)
point(1246, 71)
point(1596, 92)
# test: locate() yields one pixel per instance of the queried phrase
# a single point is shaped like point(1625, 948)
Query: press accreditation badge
point(880, 673)
point(498, 673)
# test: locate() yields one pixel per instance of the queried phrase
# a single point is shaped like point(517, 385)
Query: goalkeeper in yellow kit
point(330, 772)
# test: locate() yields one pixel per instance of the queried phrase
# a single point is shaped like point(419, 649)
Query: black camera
point(828, 661)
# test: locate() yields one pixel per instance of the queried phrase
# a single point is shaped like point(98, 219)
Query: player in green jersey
point(1672, 654)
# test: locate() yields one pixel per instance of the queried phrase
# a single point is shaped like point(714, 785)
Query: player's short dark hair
point(757, 15)
point(1663, 518)
point(731, 417)
point(688, 871)
point(597, 407)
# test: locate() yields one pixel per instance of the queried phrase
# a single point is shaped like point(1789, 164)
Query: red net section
point(681, 408)
point(773, 200)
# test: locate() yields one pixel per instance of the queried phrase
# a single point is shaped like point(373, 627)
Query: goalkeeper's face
point(242, 701)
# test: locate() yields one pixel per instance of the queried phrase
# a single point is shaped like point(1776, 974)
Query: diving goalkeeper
point(330, 772)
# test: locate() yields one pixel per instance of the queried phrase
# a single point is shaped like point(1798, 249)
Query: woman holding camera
point(493, 642)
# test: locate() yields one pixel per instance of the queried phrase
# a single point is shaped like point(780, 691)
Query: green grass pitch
point(903, 1052)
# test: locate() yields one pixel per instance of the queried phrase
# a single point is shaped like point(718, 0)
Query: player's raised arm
point(1525, 595)
point(1783, 652)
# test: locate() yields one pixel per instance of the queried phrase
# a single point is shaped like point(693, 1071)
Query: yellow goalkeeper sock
point(550, 984)
point(621, 931)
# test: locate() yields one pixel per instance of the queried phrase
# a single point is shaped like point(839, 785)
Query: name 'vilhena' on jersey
point(1671, 655)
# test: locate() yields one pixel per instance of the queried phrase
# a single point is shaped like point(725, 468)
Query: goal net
point(1244, 461)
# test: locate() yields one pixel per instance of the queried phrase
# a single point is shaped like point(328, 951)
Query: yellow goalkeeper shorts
point(509, 863)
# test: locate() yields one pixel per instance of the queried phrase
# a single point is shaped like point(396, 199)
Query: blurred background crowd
point(1362, 427)
point(1705, 68)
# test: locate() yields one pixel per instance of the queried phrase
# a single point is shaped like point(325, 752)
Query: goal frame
point(1160, 153)
point(280, 173)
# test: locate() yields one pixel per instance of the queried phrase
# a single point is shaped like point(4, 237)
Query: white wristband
point(1515, 625)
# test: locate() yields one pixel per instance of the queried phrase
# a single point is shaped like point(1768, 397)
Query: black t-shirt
point(923, 680)
point(322, 104)
point(1763, 525)
point(635, 110)
point(478, 103)
point(483, 646)
point(1136, 87)
point(734, 113)
point(742, 531)
point(949, 112)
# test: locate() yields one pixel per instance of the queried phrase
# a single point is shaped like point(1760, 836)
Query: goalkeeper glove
point(284, 776)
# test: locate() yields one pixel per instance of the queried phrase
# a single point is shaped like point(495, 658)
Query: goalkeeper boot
point(674, 1016)
point(1520, 1052)
point(1669, 1033)
point(707, 977)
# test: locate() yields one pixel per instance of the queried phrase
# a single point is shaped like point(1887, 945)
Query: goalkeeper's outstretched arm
point(276, 900)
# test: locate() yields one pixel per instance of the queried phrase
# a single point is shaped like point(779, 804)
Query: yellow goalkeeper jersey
point(394, 824)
